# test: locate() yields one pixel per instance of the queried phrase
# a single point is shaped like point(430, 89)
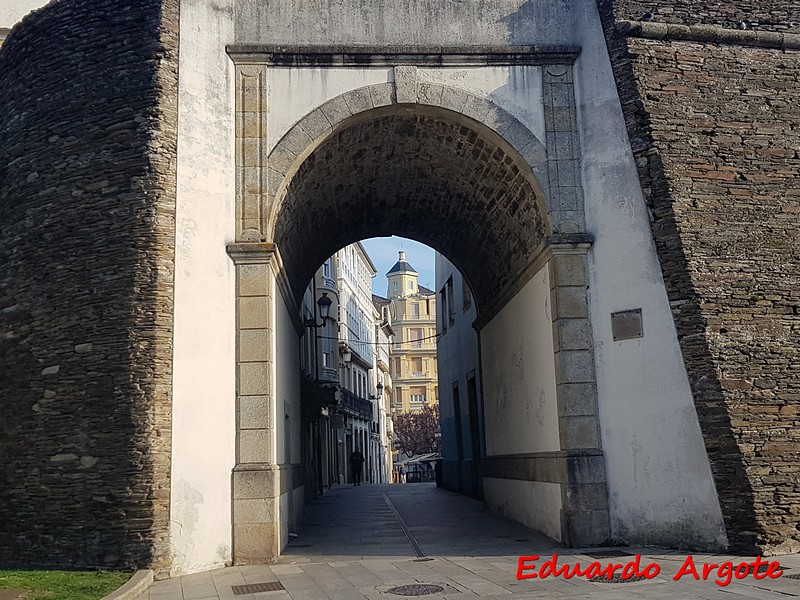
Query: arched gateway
point(458, 172)
point(157, 371)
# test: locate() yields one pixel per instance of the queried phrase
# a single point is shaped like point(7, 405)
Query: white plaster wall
point(12, 11)
point(287, 385)
point(295, 92)
point(204, 361)
point(519, 384)
point(535, 504)
point(457, 351)
point(287, 402)
point(517, 89)
point(405, 22)
point(660, 486)
point(292, 504)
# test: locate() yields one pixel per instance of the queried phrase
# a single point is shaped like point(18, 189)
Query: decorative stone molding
point(405, 84)
point(391, 55)
point(251, 136)
point(361, 103)
point(564, 189)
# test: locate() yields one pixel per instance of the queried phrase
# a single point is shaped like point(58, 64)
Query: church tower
point(402, 278)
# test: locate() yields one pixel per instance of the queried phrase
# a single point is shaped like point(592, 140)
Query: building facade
point(413, 356)
point(384, 334)
point(357, 357)
point(461, 397)
point(344, 361)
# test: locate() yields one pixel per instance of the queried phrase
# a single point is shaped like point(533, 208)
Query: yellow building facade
point(413, 352)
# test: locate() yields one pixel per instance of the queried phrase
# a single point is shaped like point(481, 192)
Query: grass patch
point(63, 585)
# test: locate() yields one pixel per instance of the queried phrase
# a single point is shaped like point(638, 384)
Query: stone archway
point(428, 162)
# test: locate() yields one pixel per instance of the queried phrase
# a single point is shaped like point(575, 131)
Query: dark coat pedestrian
point(356, 465)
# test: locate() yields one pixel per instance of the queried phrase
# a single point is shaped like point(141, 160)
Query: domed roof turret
point(402, 266)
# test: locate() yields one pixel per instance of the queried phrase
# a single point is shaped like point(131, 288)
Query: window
point(474, 424)
point(394, 286)
point(457, 419)
point(396, 367)
point(416, 367)
point(415, 337)
point(287, 431)
point(326, 268)
point(443, 307)
point(415, 310)
point(410, 286)
point(418, 394)
point(466, 297)
point(451, 312)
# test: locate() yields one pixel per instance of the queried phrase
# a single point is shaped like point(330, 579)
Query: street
point(362, 542)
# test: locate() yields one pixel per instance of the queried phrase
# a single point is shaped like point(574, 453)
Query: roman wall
point(710, 97)
point(87, 205)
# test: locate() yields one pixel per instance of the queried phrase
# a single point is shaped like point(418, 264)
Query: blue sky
point(383, 252)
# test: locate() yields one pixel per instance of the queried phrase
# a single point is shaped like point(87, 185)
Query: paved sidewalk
point(358, 543)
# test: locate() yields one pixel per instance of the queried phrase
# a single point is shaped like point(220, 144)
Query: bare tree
point(418, 432)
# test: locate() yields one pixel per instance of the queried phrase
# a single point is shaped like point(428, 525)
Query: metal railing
point(356, 405)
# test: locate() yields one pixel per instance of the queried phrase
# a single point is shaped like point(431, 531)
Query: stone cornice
point(709, 34)
point(253, 253)
point(376, 56)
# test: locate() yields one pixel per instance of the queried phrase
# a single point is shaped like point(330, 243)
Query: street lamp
point(324, 304)
point(379, 390)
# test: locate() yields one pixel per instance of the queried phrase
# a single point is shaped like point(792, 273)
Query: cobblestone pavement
point(358, 543)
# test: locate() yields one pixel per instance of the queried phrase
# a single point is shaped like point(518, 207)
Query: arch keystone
point(405, 84)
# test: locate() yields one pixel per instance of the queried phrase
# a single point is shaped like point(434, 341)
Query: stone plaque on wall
point(626, 324)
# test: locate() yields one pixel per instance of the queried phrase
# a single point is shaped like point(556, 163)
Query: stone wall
point(746, 14)
point(88, 112)
point(715, 130)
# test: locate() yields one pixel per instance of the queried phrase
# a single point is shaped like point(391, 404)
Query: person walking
point(402, 473)
point(356, 464)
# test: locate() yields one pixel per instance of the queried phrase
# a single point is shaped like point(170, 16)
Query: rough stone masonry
point(88, 111)
point(715, 129)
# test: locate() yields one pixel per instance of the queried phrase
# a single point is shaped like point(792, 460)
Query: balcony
point(414, 345)
point(356, 405)
point(328, 282)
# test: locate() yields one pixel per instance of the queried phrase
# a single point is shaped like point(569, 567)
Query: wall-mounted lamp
point(378, 392)
point(324, 304)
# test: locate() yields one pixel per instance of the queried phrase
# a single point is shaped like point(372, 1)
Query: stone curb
point(134, 588)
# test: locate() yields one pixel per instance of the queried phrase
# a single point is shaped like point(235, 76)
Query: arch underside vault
point(420, 176)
